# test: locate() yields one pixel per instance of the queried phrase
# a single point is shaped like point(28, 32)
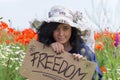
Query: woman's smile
point(61, 40)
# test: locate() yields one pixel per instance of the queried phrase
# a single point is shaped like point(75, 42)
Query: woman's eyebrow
point(66, 26)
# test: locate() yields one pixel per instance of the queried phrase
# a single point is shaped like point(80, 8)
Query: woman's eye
point(66, 28)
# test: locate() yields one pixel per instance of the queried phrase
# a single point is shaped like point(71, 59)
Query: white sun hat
point(62, 14)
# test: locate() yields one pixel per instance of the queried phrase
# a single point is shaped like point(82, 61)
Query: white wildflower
point(12, 59)
point(16, 59)
point(17, 47)
point(16, 68)
point(10, 66)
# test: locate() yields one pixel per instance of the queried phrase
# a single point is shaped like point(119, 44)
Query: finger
point(62, 48)
point(53, 47)
point(59, 48)
point(75, 56)
point(79, 57)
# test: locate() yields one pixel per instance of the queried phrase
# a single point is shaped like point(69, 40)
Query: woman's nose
point(61, 32)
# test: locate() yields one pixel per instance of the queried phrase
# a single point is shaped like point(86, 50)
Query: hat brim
point(61, 19)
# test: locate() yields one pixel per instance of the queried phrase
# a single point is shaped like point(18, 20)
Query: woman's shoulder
point(84, 46)
point(86, 52)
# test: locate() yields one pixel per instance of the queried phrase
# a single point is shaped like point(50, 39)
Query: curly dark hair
point(45, 35)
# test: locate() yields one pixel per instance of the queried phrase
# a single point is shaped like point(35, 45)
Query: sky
point(21, 12)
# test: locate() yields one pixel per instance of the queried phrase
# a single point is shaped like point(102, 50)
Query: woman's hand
point(57, 47)
point(78, 56)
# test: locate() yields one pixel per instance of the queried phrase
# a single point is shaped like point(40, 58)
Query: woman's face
point(63, 33)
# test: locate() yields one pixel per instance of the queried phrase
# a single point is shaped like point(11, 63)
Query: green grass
point(109, 57)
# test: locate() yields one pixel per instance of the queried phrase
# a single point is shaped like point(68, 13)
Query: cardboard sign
point(41, 63)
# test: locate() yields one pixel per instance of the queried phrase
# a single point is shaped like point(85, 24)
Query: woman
point(62, 32)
